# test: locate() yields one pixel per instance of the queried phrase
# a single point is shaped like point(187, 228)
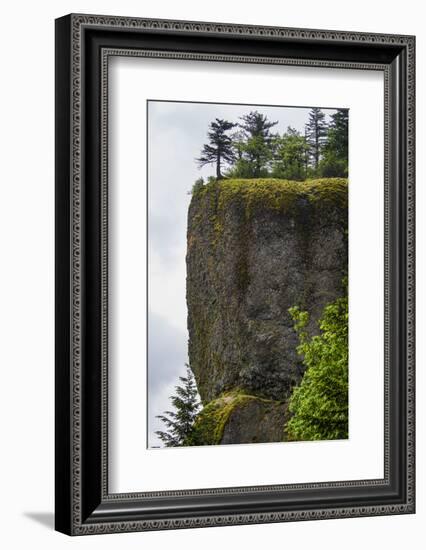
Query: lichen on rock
point(236, 417)
point(255, 248)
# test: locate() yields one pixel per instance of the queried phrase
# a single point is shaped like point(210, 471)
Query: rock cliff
point(255, 248)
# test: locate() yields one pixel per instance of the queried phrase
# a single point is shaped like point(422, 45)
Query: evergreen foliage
point(335, 156)
point(316, 133)
point(257, 125)
point(180, 421)
point(320, 404)
point(252, 151)
point(219, 150)
point(255, 150)
point(290, 158)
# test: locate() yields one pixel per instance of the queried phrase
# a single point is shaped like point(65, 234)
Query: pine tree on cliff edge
point(316, 133)
point(220, 149)
point(180, 421)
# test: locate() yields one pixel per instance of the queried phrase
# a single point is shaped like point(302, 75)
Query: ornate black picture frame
point(84, 44)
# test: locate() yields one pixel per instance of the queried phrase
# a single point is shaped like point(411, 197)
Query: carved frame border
point(76, 523)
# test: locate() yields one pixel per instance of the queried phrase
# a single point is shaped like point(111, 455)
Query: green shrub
point(198, 184)
point(319, 406)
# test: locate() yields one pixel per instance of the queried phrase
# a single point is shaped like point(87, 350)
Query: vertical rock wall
point(255, 248)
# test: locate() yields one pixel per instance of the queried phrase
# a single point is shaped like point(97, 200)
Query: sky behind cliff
point(176, 134)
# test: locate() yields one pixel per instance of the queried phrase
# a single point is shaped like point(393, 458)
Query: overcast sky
point(176, 134)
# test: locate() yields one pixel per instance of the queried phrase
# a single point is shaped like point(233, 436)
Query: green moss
point(222, 219)
point(276, 194)
point(328, 191)
point(279, 195)
point(210, 423)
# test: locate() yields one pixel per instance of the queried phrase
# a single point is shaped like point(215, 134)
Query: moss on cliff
point(278, 195)
point(255, 248)
point(210, 424)
point(275, 194)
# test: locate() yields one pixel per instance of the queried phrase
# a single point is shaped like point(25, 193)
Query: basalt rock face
point(255, 248)
point(256, 422)
point(239, 418)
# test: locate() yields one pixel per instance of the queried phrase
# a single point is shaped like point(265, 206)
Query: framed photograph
point(234, 274)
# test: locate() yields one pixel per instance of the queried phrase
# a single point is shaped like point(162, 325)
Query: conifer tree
point(337, 138)
point(335, 155)
point(220, 149)
point(258, 147)
point(186, 405)
point(290, 157)
point(257, 125)
point(316, 134)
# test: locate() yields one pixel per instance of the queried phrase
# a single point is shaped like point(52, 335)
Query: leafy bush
point(320, 404)
point(331, 166)
point(291, 160)
point(198, 184)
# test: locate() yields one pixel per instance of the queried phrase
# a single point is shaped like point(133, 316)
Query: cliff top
point(277, 194)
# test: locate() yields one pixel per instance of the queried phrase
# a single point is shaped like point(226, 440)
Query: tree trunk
point(218, 174)
point(316, 146)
